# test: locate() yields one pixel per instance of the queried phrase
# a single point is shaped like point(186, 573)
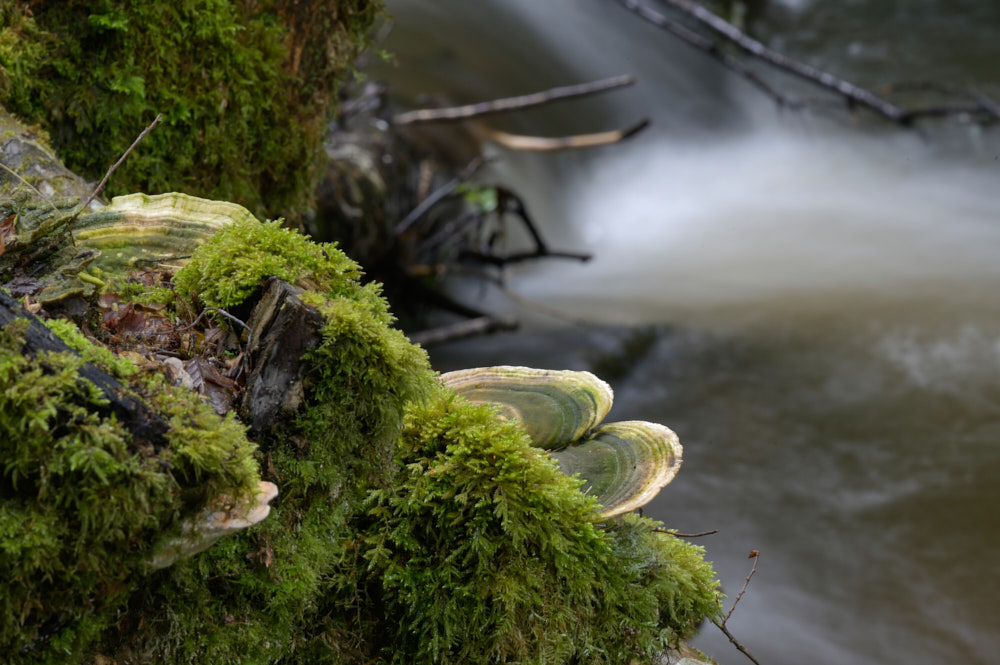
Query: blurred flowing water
point(809, 300)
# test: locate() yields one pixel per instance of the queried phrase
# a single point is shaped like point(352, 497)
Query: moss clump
point(245, 89)
point(81, 506)
point(363, 372)
point(483, 552)
point(412, 526)
point(256, 597)
point(227, 269)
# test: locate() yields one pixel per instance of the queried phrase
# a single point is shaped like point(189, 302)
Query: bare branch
point(513, 103)
point(547, 144)
point(755, 555)
point(854, 94)
point(686, 535)
point(440, 193)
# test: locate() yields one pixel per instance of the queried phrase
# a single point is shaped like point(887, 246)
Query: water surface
point(809, 300)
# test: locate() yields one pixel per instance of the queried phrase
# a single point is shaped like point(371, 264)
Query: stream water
point(809, 300)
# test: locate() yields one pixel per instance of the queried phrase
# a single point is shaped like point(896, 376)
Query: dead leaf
point(219, 390)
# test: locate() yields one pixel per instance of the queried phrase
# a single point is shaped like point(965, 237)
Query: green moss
point(256, 597)
point(483, 552)
point(411, 527)
point(80, 505)
point(245, 89)
point(236, 260)
point(121, 368)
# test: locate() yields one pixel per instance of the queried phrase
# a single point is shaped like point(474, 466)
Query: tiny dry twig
point(104, 180)
point(548, 144)
point(513, 103)
point(755, 555)
point(221, 312)
point(68, 228)
point(686, 535)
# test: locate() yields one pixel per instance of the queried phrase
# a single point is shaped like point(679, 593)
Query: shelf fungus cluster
point(133, 232)
point(623, 465)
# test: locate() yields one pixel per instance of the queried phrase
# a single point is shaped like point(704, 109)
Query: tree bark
point(283, 330)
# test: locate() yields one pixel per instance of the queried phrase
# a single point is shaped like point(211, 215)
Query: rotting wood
point(146, 426)
point(284, 329)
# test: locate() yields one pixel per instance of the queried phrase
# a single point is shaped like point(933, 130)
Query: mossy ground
point(412, 526)
point(245, 89)
point(81, 507)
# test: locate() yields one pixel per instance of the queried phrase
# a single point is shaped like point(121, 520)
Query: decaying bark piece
point(146, 426)
point(283, 329)
point(25, 153)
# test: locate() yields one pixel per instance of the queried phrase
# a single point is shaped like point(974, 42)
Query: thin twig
point(854, 94)
point(755, 555)
point(736, 642)
point(520, 257)
point(221, 312)
point(35, 189)
point(686, 535)
point(104, 180)
point(513, 103)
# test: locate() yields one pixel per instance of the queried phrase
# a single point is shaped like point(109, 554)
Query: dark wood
point(145, 425)
point(283, 330)
point(482, 325)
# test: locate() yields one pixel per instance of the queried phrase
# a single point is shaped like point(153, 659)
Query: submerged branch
point(482, 325)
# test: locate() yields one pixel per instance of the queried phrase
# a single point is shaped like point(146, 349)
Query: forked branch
point(755, 555)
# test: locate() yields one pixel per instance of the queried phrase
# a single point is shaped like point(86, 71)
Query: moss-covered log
point(410, 526)
point(444, 537)
point(245, 88)
point(147, 427)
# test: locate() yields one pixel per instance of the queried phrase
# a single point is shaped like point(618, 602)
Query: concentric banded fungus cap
point(140, 227)
point(624, 464)
point(556, 407)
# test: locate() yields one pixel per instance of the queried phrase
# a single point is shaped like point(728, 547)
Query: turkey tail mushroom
point(555, 407)
point(624, 465)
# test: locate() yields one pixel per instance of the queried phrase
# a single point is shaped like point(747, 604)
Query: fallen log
point(147, 426)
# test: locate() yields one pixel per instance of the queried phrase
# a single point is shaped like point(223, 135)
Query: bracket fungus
point(221, 517)
point(555, 407)
point(129, 233)
point(142, 228)
point(623, 465)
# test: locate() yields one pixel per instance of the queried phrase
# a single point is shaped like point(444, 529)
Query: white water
point(776, 223)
